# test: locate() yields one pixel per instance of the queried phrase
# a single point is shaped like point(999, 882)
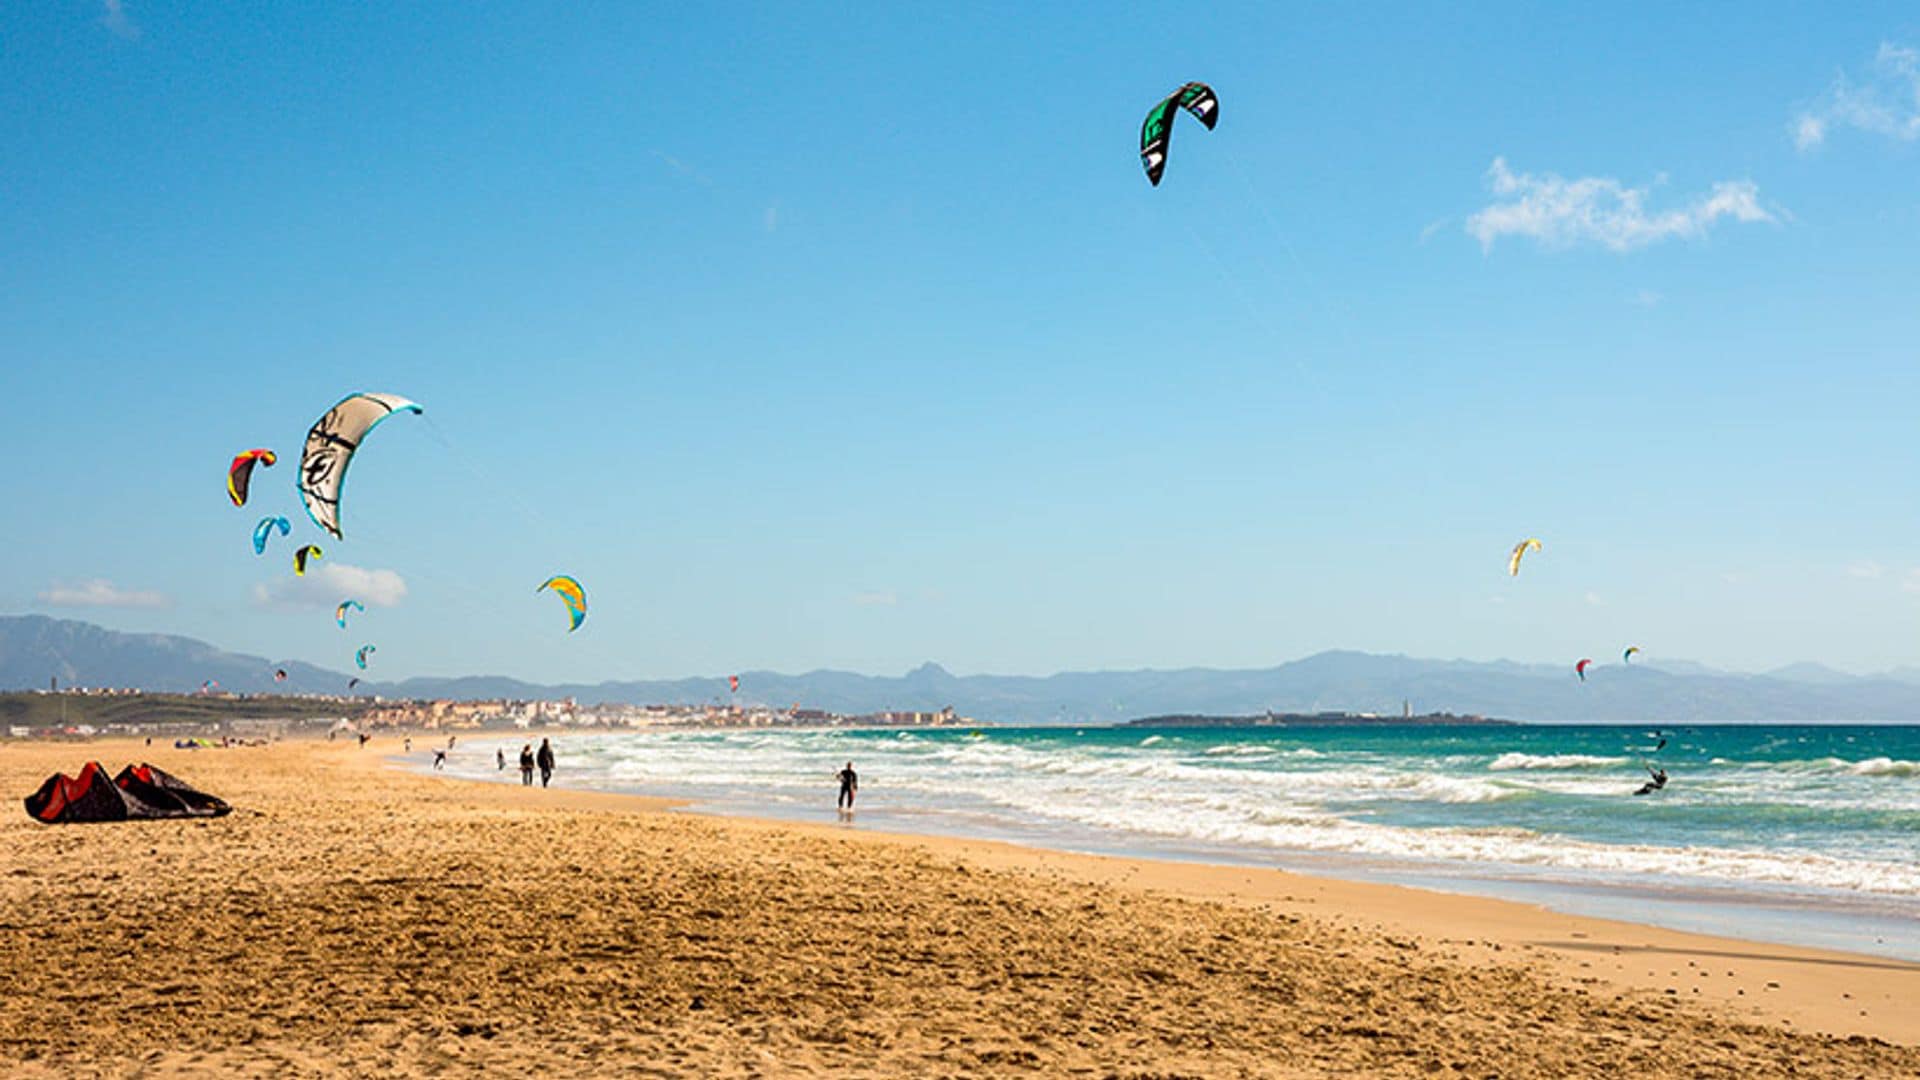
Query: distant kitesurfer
point(849, 787)
point(1659, 781)
point(500, 755)
point(439, 759)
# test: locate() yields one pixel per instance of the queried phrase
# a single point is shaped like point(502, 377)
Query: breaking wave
point(1512, 761)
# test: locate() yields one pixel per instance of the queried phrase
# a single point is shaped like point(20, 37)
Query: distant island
point(1318, 719)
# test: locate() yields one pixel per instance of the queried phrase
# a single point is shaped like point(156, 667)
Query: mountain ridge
point(34, 648)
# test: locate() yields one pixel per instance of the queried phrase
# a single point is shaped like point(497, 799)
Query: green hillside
point(44, 710)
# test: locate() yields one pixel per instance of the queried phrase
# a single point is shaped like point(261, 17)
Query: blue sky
point(853, 336)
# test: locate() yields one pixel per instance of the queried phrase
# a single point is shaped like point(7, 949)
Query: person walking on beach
point(849, 787)
point(500, 755)
point(545, 760)
point(526, 765)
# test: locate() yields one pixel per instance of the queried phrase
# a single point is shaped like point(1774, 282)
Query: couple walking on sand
point(543, 759)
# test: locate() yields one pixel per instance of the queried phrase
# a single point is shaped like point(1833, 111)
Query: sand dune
point(353, 920)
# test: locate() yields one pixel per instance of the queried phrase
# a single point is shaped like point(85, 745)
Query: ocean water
point(1800, 834)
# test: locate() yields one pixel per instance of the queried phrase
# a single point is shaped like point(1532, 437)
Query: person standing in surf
point(849, 787)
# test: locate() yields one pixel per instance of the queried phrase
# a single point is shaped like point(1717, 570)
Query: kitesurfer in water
point(500, 756)
point(1659, 781)
point(439, 759)
point(545, 761)
point(849, 787)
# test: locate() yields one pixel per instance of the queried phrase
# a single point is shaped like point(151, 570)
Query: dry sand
point(350, 919)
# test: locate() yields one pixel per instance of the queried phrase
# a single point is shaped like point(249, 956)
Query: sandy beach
point(351, 918)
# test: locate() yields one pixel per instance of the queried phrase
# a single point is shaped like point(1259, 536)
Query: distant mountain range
point(34, 648)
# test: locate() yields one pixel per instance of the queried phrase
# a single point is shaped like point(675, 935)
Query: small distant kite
point(303, 556)
point(1627, 657)
point(572, 595)
point(264, 532)
point(733, 684)
point(1519, 551)
point(351, 683)
point(280, 675)
point(1195, 97)
point(331, 443)
point(360, 657)
point(1580, 669)
point(340, 613)
point(240, 473)
point(209, 686)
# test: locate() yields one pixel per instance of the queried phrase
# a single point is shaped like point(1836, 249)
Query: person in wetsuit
point(1659, 781)
point(849, 787)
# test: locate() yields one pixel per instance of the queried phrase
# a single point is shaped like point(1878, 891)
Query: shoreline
point(1580, 946)
point(1832, 918)
point(354, 918)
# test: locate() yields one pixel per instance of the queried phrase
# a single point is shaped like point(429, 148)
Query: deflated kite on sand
point(140, 791)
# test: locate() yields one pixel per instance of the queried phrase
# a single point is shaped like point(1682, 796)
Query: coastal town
point(87, 712)
point(446, 714)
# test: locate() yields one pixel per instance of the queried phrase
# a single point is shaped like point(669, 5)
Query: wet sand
point(354, 919)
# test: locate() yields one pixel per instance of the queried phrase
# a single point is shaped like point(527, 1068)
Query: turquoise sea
point(1805, 834)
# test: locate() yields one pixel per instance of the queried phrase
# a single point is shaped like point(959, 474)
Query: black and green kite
point(1195, 97)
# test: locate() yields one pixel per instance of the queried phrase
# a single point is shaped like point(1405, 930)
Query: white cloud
point(684, 169)
point(1809, 131)
point(326, 585)
point(1645, 298)
point(1558, 212)
point(114, 18)
point(1906, 581)
point(1593, 600)
point(1885, 102)
point(877, 598)
point(770, 219)
point(99, 592)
